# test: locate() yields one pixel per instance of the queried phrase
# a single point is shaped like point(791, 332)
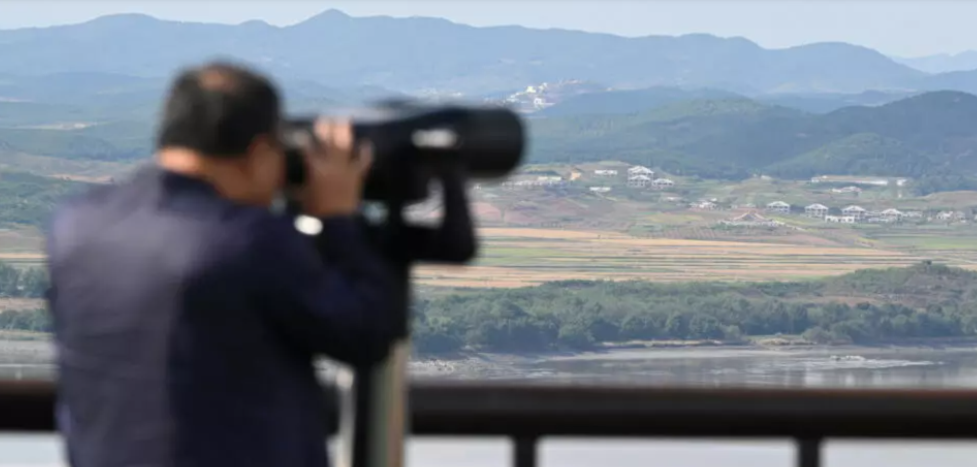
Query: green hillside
point(640, 100)
point(930, 135)
point(629, 101)
point(861, 153)
point(28, 200)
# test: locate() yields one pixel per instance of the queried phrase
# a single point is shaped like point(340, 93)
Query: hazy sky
point(903, 28)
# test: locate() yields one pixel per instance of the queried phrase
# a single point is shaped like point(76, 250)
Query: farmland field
point(514, 257)
point(20, 247)
point(517, 257)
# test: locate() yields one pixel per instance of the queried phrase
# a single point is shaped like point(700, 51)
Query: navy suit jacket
point(186, 326)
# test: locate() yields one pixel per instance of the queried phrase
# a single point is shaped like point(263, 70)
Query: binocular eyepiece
point(412, 142)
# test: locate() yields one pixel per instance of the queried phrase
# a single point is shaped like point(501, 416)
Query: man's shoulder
point(99, 195)
point(135, 205)
point(89, 196)
point(75, 206)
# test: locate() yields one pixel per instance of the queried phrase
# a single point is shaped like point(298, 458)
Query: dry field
point(519, 257)
point(21, 247)
point(22, 259)
point(20, 304)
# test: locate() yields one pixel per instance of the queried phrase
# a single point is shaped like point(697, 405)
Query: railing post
point(809, 452)
point(524, 451)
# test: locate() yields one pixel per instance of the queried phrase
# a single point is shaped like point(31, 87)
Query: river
point(836, 367)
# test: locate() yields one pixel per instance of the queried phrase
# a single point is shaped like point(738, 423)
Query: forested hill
point(921, 301)
point(640, 100)
point(928, 135)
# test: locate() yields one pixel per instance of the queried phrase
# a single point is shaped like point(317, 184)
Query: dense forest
point(868, 306)
point(922, 301)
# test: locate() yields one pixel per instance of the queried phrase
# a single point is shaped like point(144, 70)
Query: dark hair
point(218, 109)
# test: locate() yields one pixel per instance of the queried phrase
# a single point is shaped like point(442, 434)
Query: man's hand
point(335, 171)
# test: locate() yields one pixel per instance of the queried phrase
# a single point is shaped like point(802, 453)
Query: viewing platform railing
point(527, 413)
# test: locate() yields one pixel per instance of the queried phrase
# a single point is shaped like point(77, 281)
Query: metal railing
point(527, 413)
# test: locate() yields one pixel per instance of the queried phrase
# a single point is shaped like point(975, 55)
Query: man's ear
point(260, 144)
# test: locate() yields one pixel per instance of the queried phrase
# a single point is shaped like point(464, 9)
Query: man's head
point(220, 122)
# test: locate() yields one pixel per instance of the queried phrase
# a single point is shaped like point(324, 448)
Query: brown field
point(22, 259)
point(517, 257)
point(513, 257)
point(20, 304)
point(548, 233)
point(21, 256)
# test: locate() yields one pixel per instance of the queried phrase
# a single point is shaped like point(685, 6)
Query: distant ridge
point(431, 54)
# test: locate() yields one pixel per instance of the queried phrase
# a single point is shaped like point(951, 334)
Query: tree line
point(23, 283)
point(922, 301)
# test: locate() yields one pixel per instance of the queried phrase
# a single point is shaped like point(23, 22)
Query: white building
point(951, 216)
point(641, 170)
point(662, 183)
point(751, 219)
point(891, 215)
point(857, 212)
point(779, 206)
point(605, 172)
point(639, 181)
point(549, 180)
point(816, 210)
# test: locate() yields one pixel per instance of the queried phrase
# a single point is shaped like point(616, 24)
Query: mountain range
point(429, 55)
point(692, 105)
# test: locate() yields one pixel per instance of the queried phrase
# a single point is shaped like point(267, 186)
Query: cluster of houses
point(855, 214)
point(848, 215)
point(639, 177)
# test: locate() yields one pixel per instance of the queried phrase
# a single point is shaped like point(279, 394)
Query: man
point(187, 314)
